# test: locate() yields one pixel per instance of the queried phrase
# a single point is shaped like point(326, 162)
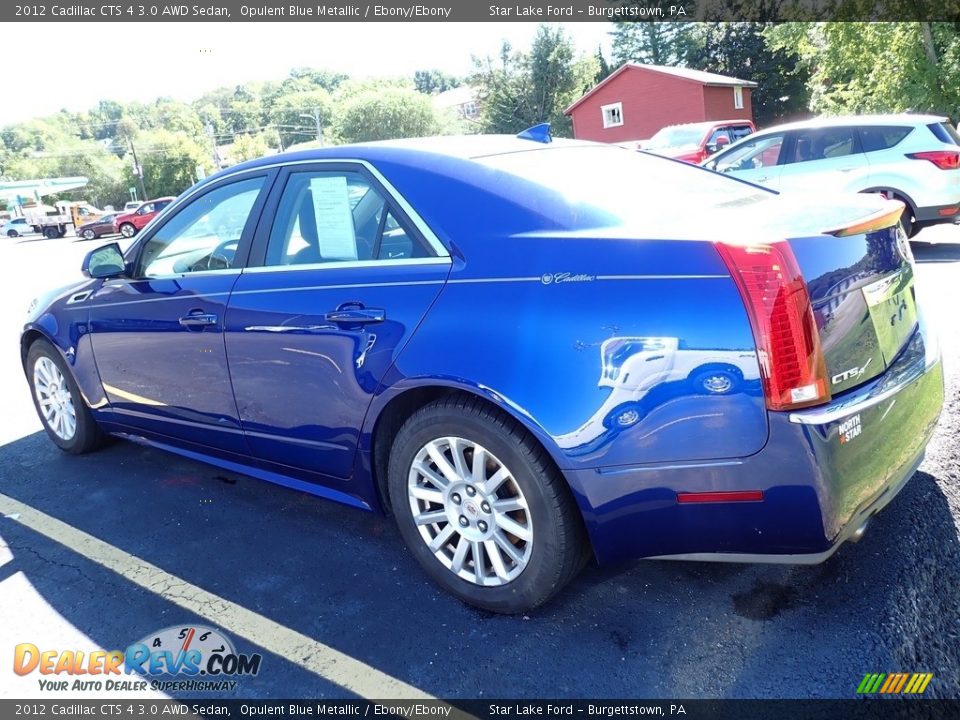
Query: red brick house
point(635, 101)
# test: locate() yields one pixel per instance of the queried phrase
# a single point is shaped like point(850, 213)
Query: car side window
point(337, 217)
point(715, 135)
point(824, 144)
point(204, 235)
point(752, 154)
point(882, 137)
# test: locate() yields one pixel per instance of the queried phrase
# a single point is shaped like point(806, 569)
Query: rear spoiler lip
point(887, 216)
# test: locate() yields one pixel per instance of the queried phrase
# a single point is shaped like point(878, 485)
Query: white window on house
point(738, 97)
point(469, 110)
point(612, 115)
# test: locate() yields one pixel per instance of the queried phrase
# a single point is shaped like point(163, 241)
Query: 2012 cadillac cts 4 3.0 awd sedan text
point(527, 351)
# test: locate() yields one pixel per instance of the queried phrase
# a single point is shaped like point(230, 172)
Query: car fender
point(68, 334)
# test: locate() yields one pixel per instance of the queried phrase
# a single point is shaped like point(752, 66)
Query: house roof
point(456, 96)
point(700, 77)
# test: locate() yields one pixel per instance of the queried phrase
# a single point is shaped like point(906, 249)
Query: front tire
point(12, 233)
point(482, 508)
point(89, 235)
point(128, 230)
point(58, 401)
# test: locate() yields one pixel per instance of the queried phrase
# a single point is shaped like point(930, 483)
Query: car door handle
point(198, 319)
point(762, 179)
point(350, 314)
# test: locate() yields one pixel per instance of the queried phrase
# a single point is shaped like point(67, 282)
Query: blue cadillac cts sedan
point(529, 352)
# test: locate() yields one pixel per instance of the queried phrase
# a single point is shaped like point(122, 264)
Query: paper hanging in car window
point(331, 207)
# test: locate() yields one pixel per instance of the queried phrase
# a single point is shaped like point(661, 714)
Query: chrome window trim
point(348, 264)
point(412, 214)
point(198, 273)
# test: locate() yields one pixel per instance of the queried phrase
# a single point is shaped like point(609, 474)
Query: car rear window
point(882, 137)
point(945, 132)
point(610, 184)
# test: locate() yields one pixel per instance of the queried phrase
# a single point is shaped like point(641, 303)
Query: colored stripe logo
point(894, 683)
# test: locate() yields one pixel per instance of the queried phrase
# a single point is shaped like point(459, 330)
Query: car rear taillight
point(792, 364)
point(943, 159)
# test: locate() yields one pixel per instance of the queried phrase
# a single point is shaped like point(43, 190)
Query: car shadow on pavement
point(343, 578)
point(924, 252)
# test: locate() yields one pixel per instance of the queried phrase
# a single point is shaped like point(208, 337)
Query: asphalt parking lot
point(337, 607)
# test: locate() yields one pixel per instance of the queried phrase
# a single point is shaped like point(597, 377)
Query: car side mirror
point(104, 262)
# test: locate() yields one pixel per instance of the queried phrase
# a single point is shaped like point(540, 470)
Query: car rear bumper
point(823, 473)
point(938, 213)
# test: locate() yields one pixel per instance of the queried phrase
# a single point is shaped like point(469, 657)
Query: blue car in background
point(529, 352)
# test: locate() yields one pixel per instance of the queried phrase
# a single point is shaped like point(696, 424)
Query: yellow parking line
point(330, 664)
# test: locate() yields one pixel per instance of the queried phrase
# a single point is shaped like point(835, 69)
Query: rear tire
point(503, 501)
point(51, 233)
point(58, 401)
point(12, 233)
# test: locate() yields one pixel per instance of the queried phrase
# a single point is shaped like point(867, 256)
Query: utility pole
point(315, 116)
point(213, 141)
point(137, 169)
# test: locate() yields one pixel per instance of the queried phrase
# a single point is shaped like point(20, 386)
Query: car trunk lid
point(859, 276)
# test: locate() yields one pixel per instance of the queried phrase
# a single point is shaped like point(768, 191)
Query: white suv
point(914, 158)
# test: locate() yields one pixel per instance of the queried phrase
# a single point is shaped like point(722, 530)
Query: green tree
point(741, 49)
point(249, 147)
point(286, 114)
point(87, 158)
point(654, 43)
point(860, 67)
point(169, 161)
point(434, 81)
point(383, 114)
point(603, 67)
point(519, 90)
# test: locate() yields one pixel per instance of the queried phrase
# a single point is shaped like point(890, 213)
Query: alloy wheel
point(54, 398)
point(470, 511)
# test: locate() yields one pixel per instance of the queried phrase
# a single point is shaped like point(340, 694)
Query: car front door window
point(204, 235)
point(759, 153)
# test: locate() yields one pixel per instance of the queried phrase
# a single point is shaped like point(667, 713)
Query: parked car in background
point(695, 142)
point(911, 158)
point(528, 352)
point(106, 225)
point(15, 227)
point(132, 205)
point(129, 224)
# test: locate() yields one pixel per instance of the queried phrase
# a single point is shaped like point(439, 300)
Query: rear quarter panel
point(527, 320)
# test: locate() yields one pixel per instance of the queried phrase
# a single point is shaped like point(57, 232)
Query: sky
point(141, 61)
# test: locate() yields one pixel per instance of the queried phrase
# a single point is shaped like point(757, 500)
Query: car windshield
point(609, 185)
point(676, 136)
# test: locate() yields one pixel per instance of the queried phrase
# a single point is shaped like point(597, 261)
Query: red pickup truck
point(695, 142)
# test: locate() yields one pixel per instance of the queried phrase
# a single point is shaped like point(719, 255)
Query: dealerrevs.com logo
point(178, 658)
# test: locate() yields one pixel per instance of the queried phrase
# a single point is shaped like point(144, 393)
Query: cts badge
point(850, 374)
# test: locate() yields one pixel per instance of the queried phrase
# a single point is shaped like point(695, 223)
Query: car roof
point(709, 123)
point(462, 147)
point(857, 120)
